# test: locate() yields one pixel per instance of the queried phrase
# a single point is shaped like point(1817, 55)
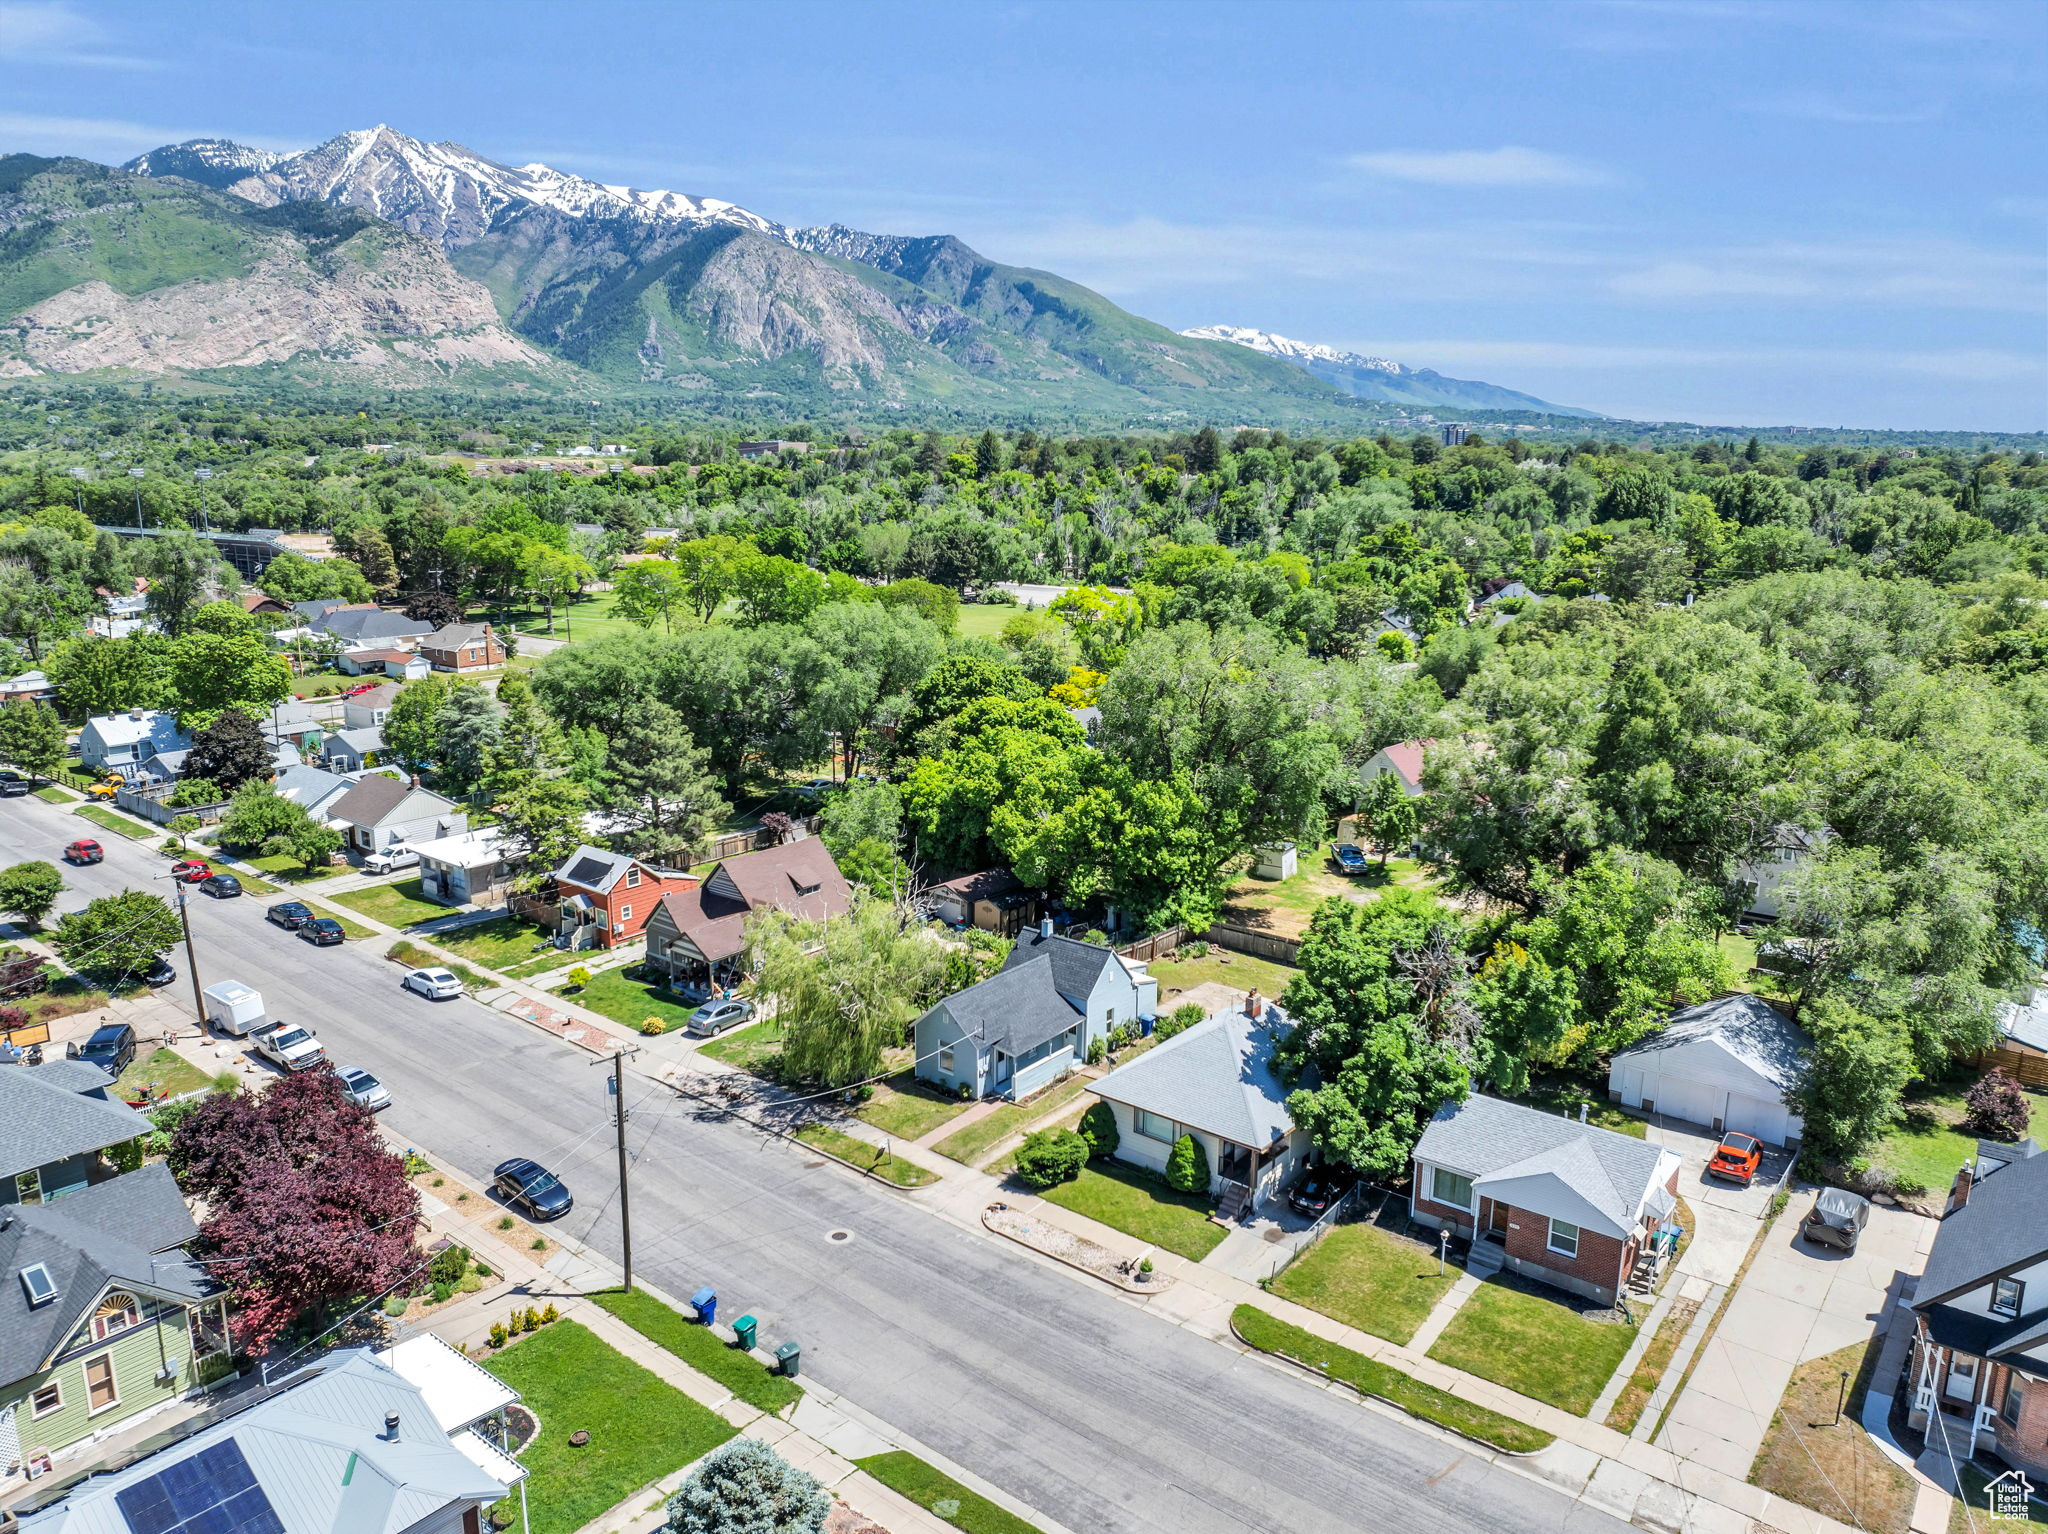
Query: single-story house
point(320, 607)
point(697, 937)
point(1762, 878)
point(255, 601)
point(353, 750)
point(294, 723)
point(994, 900)
point(30, 685)
point(463, 647)
point(1724, 1064)
point(1034, 1019)
point(378, 812)
point(366, 626)
point(1403, 759)
point(1499, 588)
point(383, 661)
point(465, 869)
point(1555, 1200)
point(314, 787)
point(57, 1121)
point(350, 1443)
point(1394, 621)
point(368, 708)
point(1217, 1082)
point(107, 1319)
point(126, 614)
point(603, 899)
point(124, 742)
point(1980, 1347)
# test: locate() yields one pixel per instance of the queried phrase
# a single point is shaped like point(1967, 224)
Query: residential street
point(1100, 1415)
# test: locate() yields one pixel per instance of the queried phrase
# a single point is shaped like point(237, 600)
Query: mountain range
point(1378, 378)
point(378, 256)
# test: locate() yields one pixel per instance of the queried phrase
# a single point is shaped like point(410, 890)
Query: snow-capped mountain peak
point(1299, 352)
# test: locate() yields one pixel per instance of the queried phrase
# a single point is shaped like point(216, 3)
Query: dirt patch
point(1818, 1455)
point(1061, 1244)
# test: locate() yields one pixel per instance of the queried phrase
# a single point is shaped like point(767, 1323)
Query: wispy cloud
point(108, 138)
point(1930, 272)
point(1510, 165)
point(1826, 107)
point(51, 32)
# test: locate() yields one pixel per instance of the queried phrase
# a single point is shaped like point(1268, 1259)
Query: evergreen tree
point(931, 454)
point(529, 740)
point(1205, 453)
point(659, 784)
point(540, 818)
point(31, 737)
point(988, 455)
point(747, 1488)
point(230, 752)
point(371, 551)
point(467, 735)
point(1754, 452)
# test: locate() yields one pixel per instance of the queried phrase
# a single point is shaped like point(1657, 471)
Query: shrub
point(1996, 1108)
point(1187, 1166)
point(747, 1488)
point(449, 1265)
point(652, 1025)
point(441, 1292)
point(540, 1243)
point(550, 1314)
point(1098, 1128)
point(395, 1306)
point(1179, 1020)
point(864, 1093)
point(1051, 1156)
point(966, 1092)
point(498, 1334)
point(579, 977)
point(532, 1319)
point(482, 1271)
point(193, 791)
point(1195, 950)
point(1096, 936)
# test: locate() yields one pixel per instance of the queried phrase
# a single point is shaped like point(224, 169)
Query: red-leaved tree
point(306, 1208)
point(1996, 1108)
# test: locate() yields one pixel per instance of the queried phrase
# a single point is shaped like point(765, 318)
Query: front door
point(1497, 1220)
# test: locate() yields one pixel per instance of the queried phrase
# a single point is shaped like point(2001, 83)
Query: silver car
point(714, 1017)
point(434, 984)
point(363, 1089)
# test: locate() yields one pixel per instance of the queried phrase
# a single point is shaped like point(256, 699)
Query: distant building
point(1403, 759)
point(770, 449)
point(1454, 436)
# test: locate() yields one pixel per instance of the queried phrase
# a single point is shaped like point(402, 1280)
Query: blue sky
point(1731, 211)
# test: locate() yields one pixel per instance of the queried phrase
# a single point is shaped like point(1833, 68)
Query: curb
point(854, 1166)
point(1143, 1291)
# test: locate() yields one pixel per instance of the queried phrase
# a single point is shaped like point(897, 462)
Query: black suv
point(111, 1048)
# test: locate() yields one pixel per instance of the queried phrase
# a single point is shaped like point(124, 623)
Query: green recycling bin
point(787, 1357)
point(743, 1331)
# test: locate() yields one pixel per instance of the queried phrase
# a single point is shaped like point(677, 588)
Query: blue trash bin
point(705, 1301)
point(1146, 1025)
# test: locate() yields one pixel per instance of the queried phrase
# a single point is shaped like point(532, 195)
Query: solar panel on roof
point(589, 871)
point(211, 1492)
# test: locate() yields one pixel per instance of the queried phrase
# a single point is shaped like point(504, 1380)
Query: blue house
point(1033, 1020)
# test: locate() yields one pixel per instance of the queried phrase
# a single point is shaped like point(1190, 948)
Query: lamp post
point(137, 473)
point(202, 475)
point(1842, 1399)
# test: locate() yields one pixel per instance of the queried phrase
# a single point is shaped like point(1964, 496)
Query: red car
point(362, 687)
point(84, 852)
point(190, 871)
point(1737, 1157)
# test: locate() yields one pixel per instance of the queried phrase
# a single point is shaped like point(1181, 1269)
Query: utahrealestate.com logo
point(2008, 1496)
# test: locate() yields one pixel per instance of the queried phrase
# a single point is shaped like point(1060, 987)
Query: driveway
point(1725, 1214)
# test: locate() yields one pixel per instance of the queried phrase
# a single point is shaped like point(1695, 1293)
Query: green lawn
point(970, 1142)
point(50, 793)
point(1978, 1520)
point(908, 1109)
point(628, 1001)
point(122, 825)
point(502, 943)
point(415, 957)
point(286, 869)
point(1285, 906)
point(939, 1494)
point(640, 1427)
point(170, 1072)
point(871, 1158)
point(1240, 971)
point(589, 617)
point(749, 1047)
point(324, 684)
point(984, 620)
point(1142, 1206)
point(354, 929)
point(701, 1348)
point(1269, 1334)
point(1929, 1147)
point(1367, 1278)
point(395, 905)
point(1534, 1346)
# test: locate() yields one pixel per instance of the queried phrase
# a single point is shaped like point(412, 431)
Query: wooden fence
point(2029, 1070)
point(1262, 945)
point(732, 844)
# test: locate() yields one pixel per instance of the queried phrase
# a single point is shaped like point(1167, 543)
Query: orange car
point(1737, 1157)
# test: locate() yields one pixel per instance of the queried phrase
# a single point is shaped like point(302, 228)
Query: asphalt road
point(1102, 1416)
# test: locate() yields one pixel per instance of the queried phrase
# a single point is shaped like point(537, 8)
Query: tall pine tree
point(659, 785)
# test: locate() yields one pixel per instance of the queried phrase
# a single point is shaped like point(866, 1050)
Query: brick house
point(697, 936)
point(1979, 1370)
point(603, 899)
point(1553, 1199)
point(463, 647)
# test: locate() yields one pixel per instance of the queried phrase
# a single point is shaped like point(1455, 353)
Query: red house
point(604, 898)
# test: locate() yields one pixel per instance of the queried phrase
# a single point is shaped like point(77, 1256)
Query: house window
point(99, 1384)
point(946, 1058)
point(633, 877)
point(1564, 1238)
point(625, 913)
point(1447, 1187)
point(117, 1313)
point(2010, 1407)
point(2006, 1294)
point(46, 1400)
point(1153, 1127)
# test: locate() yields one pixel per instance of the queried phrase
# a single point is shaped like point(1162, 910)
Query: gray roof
point(1217, 1076)
point(312, 787)
point(592, 868)
point(127, 730)
point(376, 799)
point(112, 1232)
point(1747, 1027)
point(1017, 1008)
point(2004, 1226)
point(361, 740)
point(1485, 1137)
point(1076, 965)
point(360, 626)
point(44, 1118)
point(2027, 1024)
point(456, 635)
point(318, 1452)
point(74, 1076)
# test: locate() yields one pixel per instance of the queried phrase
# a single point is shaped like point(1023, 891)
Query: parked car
point(191, 870)
point(111, 1048)
point(717, 1016)
point(532, 1187)
point(363, 1089)
point(434, 984)
point(289, 914)
point(390, 860)
point(13, 785)
point(222, 886)
point(1737, 1157)
point(1318, 1190)
point(160, 972)
point(359, 689)
point(1350, 859)
point(322, 932)
point(1836, 1219)
point(288, 1045)
point(85, 850)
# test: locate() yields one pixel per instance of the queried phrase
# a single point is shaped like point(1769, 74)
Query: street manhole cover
point(839, 1235)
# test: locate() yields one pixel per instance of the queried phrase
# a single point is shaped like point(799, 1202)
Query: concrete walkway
point(1443, 1313)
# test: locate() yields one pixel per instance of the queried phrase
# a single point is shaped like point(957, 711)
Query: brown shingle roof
point(797, 877)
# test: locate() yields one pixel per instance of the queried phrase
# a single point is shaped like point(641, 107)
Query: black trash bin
point(787, 1357)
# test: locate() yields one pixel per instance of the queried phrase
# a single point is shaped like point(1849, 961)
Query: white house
point(1216, 1082)
point(352, 750)
point(125, 615)
point(1033, 1020)
point(368, 708)
point(1725, 1064)
point(378, 812)
point(1789, 850)
point(465, 869)
point(123, 743)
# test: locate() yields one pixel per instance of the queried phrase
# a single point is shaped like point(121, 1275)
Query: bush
point(995, 596)
point(1997, 1108)
point(1096, 936)
point(395, 1306)
point(1097, 1050)
point(1187, 1166)
point(1179, 1020)
point(498, 1334)
point(193, 791)
point(1195, 950)
point(747, 1488)
point(652, 1025)
point(449, 1265)
point(966, 1092)
point(579, 977)
point(550, 1314)
point(505, 1222)
point(1049, 1157)
point(1098, 1128)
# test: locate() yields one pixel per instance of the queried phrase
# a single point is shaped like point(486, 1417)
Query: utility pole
point(192, 960)
point(616, 1087)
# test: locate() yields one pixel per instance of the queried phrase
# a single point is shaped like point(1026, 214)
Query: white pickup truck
point(288, 1045)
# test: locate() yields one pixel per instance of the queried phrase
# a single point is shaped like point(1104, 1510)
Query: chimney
point(1959, 1194)
point(391, 1427)
point(1582, 1113)
point(1253, 1005)
point(1045, 926)
point(415, 780)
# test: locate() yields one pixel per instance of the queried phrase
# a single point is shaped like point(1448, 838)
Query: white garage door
point(1692, 1101)
point(1754, 1116)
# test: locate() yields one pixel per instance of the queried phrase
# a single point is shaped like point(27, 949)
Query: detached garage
point(1724, 1064)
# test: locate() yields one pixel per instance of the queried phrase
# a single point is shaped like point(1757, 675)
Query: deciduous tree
point(29, 890)
point(31, 737)
point(843, 991)
point(118, 934)
point(230, 751)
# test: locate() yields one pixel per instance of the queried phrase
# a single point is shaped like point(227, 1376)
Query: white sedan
point(434, 984)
